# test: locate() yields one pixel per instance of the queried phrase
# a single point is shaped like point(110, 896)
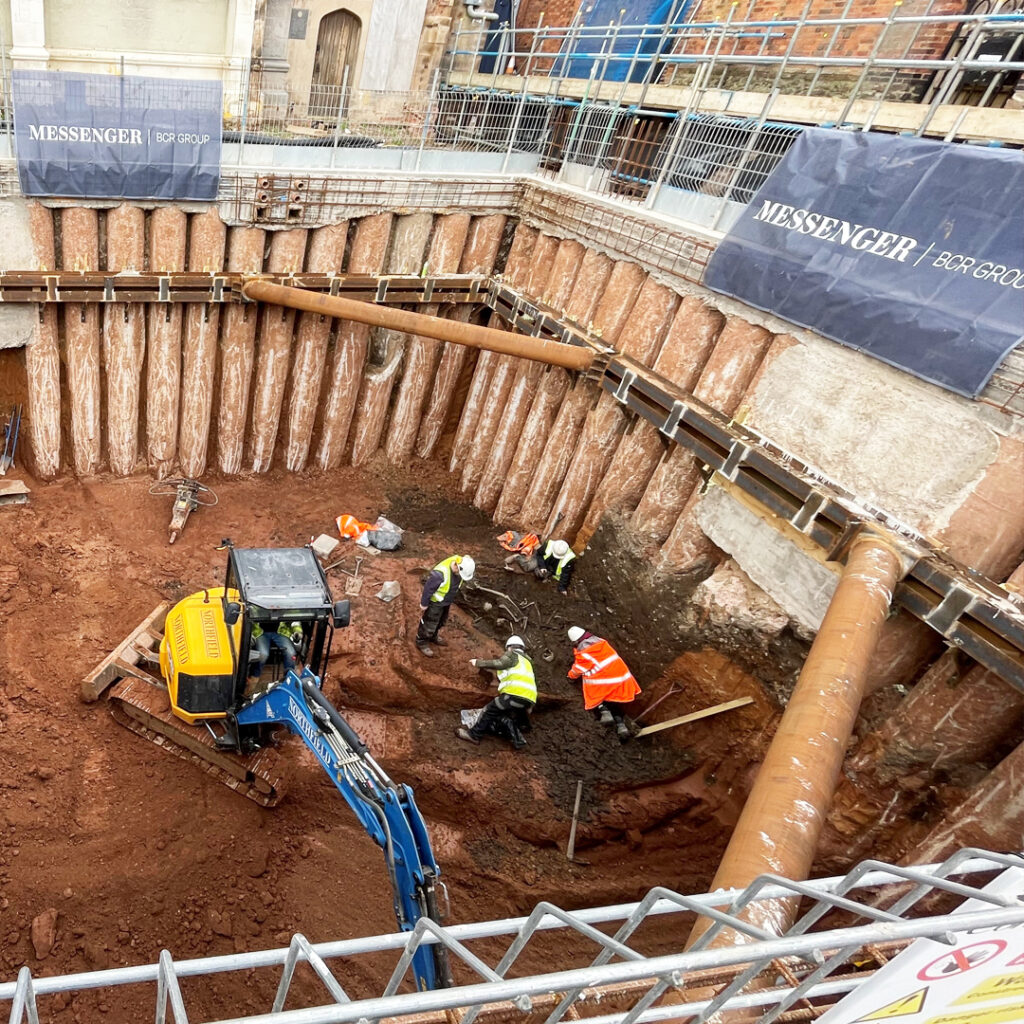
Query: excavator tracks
point(143, 707)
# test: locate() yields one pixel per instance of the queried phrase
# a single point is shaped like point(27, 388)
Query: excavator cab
point(207, 651)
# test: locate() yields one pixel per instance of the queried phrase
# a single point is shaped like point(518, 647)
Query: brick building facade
point(903, 41)
point(926, 41)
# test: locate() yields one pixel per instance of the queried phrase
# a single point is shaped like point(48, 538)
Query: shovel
point(570, 852)
point(354, 584)
point(10, 439)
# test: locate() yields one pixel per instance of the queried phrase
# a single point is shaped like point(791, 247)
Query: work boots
point(515, 735)
point(427, 652)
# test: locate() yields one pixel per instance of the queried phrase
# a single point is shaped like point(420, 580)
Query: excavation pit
point(138, 851)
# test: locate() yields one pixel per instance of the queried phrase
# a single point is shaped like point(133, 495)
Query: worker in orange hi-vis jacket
point(607, 681)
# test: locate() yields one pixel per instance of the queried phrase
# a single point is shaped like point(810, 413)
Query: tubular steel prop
point(571, 357)
point(782, 818)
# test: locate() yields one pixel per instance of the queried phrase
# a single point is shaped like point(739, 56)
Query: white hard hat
point(559, 548)
point(575, 632)
point(515, 641)
point(467, 567)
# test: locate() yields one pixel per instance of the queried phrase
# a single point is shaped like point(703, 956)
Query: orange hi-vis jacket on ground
point(520, 543)
point(349, 527)
point(605, 675)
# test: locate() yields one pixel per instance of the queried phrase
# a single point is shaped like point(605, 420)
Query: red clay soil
point(137, 851)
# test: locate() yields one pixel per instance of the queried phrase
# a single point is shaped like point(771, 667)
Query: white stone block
point(799, 584)
point(324, 545)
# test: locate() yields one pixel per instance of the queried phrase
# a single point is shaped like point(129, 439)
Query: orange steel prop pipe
point(572, 357)
point(781, 821)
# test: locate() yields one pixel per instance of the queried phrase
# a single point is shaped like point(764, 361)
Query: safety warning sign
point(902, 1007)
point(979, 980)
point(961, 960)
point(1002, 986)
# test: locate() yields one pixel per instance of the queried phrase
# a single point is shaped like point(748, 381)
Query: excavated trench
point(137, 851)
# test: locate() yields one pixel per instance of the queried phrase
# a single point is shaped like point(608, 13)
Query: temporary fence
point(696, 104)
point(910, 53)
point(711, 106)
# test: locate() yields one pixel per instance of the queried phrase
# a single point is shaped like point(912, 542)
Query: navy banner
point(118, 137)
point(909, 250)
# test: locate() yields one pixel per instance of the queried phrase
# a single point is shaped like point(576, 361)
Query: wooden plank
point(313, 133)
point(118, 663)
point(570, 852)
point(694, 715)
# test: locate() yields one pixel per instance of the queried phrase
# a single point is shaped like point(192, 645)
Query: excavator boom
point(138, 699)
point(387, 811)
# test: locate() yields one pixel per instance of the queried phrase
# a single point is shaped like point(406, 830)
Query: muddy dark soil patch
point(655, 618)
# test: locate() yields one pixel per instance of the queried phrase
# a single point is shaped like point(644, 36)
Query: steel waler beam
point(571, 357)
point(966, 609)
point(188, 286)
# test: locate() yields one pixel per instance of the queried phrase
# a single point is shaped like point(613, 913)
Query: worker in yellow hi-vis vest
point(507, 716)
point(287, 638)
point(439, 591)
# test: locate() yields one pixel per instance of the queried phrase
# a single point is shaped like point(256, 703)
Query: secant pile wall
point(208, 388)
point(240, 388)
point(243, 389)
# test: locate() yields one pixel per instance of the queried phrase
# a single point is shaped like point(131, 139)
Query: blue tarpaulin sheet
point(122, 137)
point(909, 250)
point(585, 49)
point(499, 42)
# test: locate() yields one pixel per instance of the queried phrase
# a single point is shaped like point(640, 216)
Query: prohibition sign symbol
point(961, 960)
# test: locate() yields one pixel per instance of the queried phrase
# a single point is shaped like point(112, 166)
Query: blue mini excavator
point(218, 702)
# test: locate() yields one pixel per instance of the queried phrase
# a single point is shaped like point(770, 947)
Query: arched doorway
point(337, 48)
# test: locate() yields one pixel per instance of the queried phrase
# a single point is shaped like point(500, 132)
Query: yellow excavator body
point(185, 665)
point(197, 658)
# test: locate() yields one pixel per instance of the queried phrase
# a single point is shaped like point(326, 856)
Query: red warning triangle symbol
point(902, 1007)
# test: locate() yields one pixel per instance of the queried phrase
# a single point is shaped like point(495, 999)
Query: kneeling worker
point(551, 558)
point(439, 591)
point(507, 716)
point(524, 550)
point(557, 559)
point(607, 682)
